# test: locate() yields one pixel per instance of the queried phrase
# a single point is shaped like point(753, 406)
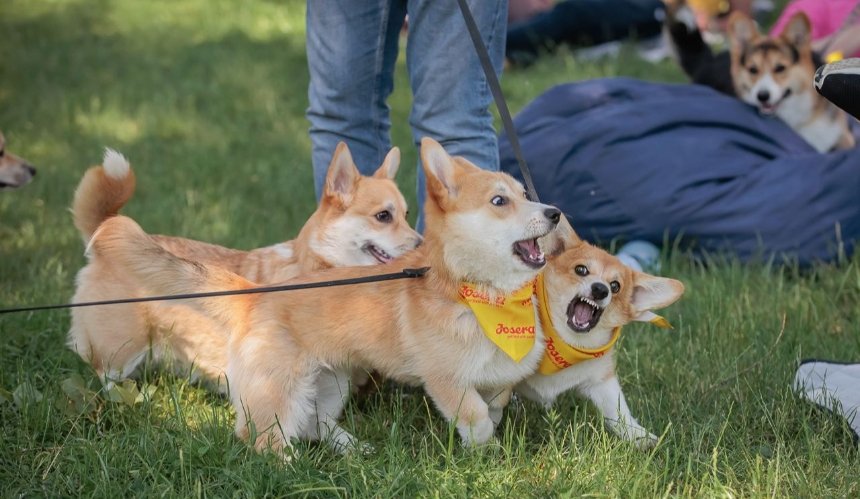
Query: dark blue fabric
point(638, 160)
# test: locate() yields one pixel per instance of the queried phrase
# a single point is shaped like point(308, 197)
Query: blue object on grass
point(639, 160)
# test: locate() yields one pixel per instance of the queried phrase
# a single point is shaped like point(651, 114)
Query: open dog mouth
point(768, 108)
point(583, 314)
point(529, 252)
point(377, 252)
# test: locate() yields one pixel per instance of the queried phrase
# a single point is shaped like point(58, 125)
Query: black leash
point(403, 274)
point(496, 89)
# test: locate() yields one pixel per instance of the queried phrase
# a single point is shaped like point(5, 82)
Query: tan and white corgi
point(776, 75)
point(359, 221)
point(586, 296)
point(14, 171)
point(481, 235)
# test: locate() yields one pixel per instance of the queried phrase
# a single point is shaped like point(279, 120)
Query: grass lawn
point(207, 99)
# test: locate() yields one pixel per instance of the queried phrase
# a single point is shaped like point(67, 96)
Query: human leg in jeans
point(583, 23)
point(351, 49)
point(451, 98)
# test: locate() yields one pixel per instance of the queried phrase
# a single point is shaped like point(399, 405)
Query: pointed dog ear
point(342, 176)
point(798, 31)
point(651, 293)
point(439, 170)
point(742, 31)
point(390, 165)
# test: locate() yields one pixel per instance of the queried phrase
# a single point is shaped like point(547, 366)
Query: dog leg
point(272, 389)
point(609, 398)
point(465, 407)
point(497, 400)
point(332, 392)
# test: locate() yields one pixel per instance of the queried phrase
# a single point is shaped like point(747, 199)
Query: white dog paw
point(640, 437)
point(495, 415)
point(633, 433)
point(478, 433)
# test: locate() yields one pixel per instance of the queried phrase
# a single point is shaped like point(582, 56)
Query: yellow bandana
point(509, 321)
point(560, 355)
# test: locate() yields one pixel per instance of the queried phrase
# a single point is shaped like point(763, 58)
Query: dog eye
point(615, 287)
point(779, 68)
point(581, 270)
point(753, 70)
point(2, 152)
point(384, 216)
point(499, 201)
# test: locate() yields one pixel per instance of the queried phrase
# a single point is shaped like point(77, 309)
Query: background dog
point(14, 171)
point(774, 74)
point(359, 221)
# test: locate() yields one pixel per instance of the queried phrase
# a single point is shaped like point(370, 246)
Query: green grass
point(206, 97)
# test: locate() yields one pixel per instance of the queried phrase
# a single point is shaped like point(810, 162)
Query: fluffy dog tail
point(102, 192)
point(121, 241)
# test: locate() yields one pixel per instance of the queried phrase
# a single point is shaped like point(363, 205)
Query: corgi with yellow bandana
point(585, 297)
point(481, 235)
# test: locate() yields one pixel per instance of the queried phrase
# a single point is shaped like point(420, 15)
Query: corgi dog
point(481, 234)
point(777, 74)
point(586, 296)
point(359, 221)
point(14, 171)
point(774, 74)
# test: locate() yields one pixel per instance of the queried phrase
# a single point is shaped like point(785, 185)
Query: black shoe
point(839, 82)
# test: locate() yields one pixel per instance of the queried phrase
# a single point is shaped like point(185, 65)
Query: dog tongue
point(530, 248)
point(582, 313)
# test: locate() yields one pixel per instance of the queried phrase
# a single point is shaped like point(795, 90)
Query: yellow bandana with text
point(560, 355)
point(508, 321)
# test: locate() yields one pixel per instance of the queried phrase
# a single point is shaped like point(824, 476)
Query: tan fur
point(14, 171)
point(782, 68)
point(114, 339)
point(415, 331)
point(638, 294)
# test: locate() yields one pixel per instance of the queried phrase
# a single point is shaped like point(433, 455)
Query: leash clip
point(419, 272)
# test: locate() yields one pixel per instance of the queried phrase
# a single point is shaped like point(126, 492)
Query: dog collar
point(559, 354)
point(509, 321)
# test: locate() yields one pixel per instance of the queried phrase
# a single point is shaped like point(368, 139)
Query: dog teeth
point(590, 302)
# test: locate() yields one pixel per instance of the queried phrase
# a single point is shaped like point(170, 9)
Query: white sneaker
point(640, 256)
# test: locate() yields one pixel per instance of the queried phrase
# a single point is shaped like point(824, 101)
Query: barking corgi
point(481, 241)
point(14, 171)
point(586, 296)
point(774, 74)
point(360, 221)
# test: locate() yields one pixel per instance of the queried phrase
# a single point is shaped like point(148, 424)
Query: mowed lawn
point(207, 99)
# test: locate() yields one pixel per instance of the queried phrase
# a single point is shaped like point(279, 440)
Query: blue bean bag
point(638, 160)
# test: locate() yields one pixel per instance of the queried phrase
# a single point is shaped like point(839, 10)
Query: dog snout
point(599, 290)
point(553, 215)
point(763, 96)
point(31, 169)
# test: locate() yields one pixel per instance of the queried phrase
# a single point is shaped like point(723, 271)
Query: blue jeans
point(352, 46)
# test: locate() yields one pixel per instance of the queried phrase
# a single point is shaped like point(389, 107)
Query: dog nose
point(553, 214)
point(599, 290)
point(31, 169)
point(763, 96)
